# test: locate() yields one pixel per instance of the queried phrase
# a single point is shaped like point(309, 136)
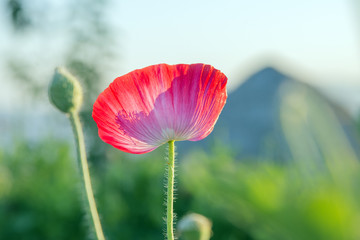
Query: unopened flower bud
point(194, 227)
point(65, 91)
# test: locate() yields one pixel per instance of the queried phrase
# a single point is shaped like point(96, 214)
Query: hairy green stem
point(170, 191)
point(84, 172)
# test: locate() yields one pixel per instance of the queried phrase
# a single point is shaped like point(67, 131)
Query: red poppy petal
point(148, 107)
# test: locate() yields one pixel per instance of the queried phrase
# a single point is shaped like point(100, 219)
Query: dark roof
point(250, 121)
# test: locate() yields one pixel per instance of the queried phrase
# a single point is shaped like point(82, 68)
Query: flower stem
point(84, 172)
point(170, 191)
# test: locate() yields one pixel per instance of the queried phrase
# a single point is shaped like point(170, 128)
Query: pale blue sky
point(317, 38)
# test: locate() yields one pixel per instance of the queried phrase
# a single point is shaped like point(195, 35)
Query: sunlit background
point(282, 162)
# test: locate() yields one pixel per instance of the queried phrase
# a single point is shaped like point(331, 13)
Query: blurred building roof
point(258, 119)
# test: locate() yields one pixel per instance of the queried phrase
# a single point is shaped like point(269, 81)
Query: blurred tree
point(87, 58)
point(358, 124)
point(19, 18)
point(86, 49)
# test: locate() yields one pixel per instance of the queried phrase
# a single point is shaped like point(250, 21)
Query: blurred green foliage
point(38, 188)
point(40, 196)
point(273, 201)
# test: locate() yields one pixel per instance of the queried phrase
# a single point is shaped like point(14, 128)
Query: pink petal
point(148, 107)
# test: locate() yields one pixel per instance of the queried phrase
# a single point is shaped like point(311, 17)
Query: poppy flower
point(148, 107)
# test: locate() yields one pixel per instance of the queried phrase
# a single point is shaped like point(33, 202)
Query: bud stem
point(84, 172)
point(170, 191)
